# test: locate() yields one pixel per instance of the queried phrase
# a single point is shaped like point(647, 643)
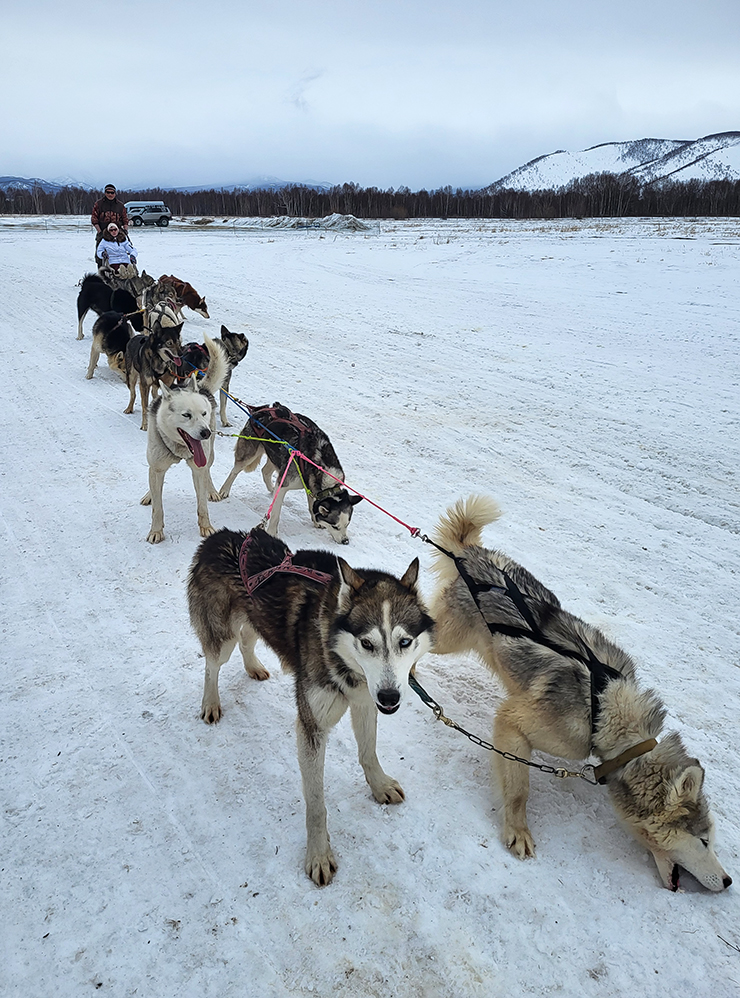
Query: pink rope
point(414, 531)
point(277, 490)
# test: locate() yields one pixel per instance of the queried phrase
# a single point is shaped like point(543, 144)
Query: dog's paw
point(80, 336)
point(225, 422)
point(223, 494)
point(257, 671)
point(214, 496)
point(128, 410)
point(155, 536)
point(88, 376)
point(321, 866)
point(520, 842)
point(206, 530)
point(146, 500)
point(211, 713)
point(388, 792)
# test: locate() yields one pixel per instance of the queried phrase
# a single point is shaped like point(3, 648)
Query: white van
point(148, 213)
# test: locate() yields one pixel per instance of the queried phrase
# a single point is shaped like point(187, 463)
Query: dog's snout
point(205, 433)
point(345, 540)
point(389, 698)
point(726, 881)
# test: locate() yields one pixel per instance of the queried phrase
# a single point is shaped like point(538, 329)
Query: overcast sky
point(384, 93)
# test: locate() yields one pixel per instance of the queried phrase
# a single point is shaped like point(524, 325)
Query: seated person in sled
point(114, 249)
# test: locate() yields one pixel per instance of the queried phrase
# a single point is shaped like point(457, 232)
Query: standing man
point(106, 210)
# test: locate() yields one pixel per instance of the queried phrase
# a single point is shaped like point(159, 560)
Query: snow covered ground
point(583, 373)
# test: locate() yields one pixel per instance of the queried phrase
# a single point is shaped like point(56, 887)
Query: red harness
point(252, 582)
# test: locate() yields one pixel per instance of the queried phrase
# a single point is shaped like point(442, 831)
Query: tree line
point(598, 195)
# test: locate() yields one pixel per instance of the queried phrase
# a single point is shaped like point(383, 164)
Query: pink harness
point(252, 582)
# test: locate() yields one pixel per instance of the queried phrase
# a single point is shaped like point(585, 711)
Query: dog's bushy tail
point(218, 367)
point(461, 526)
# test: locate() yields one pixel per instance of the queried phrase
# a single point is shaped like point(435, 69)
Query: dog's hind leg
point(224, 394)
point(252, 665)
point(210, 708)
point(364, 714)
point(80, 320)
point(268, 474)
point(514, 780)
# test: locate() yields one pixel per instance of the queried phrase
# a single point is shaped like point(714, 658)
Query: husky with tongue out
point(182, 422)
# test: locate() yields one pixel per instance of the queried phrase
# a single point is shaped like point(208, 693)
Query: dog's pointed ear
point(166, 393)
point(225, 331)
point(686, 786)
point(411, 574)
point(353, 500)
point(349, 575)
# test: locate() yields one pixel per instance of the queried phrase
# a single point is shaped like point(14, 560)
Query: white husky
point(182, 422)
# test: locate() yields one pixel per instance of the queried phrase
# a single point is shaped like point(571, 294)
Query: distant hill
point(256, 184)
point(714, 157)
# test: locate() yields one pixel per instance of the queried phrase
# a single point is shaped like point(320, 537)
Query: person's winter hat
point(111, 188)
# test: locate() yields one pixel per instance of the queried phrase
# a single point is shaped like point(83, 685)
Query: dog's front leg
point(364, 714)
point(201, 480)
point(514, 781)
point(156, 483)
point(312, 734)
point(94, 358)
point(274, 521)
point(144, 391)
point(320, 862)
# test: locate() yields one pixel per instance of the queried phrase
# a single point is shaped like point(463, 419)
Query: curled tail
point(218, 367)
point(460, 527)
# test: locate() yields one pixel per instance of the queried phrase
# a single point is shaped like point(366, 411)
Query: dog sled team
point(351, 637)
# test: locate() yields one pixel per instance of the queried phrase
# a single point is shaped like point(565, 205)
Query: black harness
point(600, 673)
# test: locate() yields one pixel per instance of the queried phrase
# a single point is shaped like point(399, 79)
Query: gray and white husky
point(552, 705)
point(329, 503)
point(349, 637)
point(182, 423)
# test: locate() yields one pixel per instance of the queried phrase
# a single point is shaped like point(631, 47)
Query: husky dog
point(99, 296)
point(111, 335)
point(350, 638)
point(557, 703)
point(329, 504)
point(235, 346)
point(193, 361)
point(149, 360)
point(162, 315)
point(184, 294)
point(182, 422)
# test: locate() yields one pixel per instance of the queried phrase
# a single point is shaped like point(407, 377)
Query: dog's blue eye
point(367, 645)
point(404, 642)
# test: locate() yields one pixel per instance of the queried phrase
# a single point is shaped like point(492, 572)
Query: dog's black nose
point(726, 881)
point(205, 433)
point(389, 698)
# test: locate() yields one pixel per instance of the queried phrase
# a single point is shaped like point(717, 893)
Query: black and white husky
point(182, 422)
point(329, 504)
point(349, 637)
point(569, 692)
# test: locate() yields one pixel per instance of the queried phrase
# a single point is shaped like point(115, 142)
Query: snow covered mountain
point(714, 157)
point(47, 186)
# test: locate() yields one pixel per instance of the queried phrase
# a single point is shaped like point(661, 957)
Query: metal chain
point(440, 715)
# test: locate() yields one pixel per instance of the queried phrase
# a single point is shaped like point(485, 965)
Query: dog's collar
point(612, 765)
point(325, 493)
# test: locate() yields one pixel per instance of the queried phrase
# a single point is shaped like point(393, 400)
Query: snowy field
point(583, 373)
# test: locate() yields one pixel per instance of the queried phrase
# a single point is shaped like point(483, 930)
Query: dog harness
point(600, 673)
point(252, 582)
